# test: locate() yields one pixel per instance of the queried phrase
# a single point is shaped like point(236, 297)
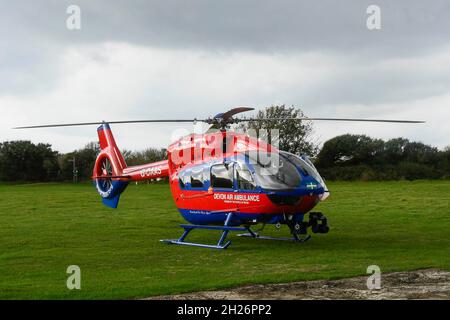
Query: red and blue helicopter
point(223, 180)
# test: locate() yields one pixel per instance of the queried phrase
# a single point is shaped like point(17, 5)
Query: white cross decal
point(311, 185)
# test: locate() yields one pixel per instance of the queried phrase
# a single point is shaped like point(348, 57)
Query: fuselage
point(217, 173)
point(214, 174)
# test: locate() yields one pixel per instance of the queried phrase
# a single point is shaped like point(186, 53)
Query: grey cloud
point(34, 33)
point(371, 81)
point(269, 26)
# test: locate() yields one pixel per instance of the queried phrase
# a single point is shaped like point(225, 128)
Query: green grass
point(45, 228)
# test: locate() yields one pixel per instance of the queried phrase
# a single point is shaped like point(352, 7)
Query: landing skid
point(294, 238)
point(221, 244)
point(317, 222)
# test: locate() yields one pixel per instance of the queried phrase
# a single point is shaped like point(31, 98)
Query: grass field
point(45, 228)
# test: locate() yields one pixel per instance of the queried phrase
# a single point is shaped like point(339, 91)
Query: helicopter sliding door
point(222, 187)
point(234, 187)
point(235, 176)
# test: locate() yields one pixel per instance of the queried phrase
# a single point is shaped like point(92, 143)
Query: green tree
point(421, 153)
point(294, 136)
point(349, 149)
point(445, 160)
point(84, 162)
point(26, 161)
point(394, 150)
point(144, 156)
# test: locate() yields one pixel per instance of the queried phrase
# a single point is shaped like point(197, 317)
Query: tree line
point(352, 157)
point(29, 162)
point(359, 157)
point(345, 157)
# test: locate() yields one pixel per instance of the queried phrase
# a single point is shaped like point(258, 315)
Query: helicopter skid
point(194, 244)
point(221, 244)
point(257, 236)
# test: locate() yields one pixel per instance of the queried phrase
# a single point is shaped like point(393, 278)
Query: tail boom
point(148, 171)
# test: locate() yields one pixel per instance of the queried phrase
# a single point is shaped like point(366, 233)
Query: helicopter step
point(221, 244)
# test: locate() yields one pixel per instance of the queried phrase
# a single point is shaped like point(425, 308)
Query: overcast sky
point(182, 59)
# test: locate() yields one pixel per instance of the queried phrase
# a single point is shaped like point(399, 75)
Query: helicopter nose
point(317, 188)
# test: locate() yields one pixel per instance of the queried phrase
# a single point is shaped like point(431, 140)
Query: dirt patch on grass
point(421, 284)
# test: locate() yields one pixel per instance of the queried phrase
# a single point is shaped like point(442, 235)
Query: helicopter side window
point(197, 178)
point(222, 176)
point(184, 178)
point(244, 178)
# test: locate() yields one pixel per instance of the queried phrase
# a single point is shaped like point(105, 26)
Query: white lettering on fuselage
point(154, 171)
point(236, 198)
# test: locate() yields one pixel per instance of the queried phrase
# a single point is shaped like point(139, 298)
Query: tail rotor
point(108, 169)
point(103, 178)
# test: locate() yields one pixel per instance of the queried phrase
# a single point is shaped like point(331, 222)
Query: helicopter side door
point(222, 185)
point(248, 193)
point(234, 187)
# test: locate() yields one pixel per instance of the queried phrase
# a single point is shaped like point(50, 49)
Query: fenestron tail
point(111, 174)
point(108, 169)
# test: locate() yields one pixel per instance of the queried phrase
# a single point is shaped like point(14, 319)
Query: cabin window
point(184, 178)
point(244, 177)
point(197, 178)
point(222, 176)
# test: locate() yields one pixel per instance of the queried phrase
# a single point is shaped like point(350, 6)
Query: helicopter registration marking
point(236, 198)
point(154, 171)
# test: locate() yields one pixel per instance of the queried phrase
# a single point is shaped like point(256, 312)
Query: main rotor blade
point(209, 120)
point(109, 122)
point(330, 119)
point(234, 111)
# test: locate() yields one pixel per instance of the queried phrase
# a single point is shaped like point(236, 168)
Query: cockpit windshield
point(305, 164)
point(274, 171)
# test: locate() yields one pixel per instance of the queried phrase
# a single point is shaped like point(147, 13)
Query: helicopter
point(223, 180)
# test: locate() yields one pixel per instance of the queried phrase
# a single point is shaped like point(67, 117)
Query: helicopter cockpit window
point(184, 178)
point(274, 171)
point(197, 178)
point(222, 176)
point(244, 177)
point(306, 165)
